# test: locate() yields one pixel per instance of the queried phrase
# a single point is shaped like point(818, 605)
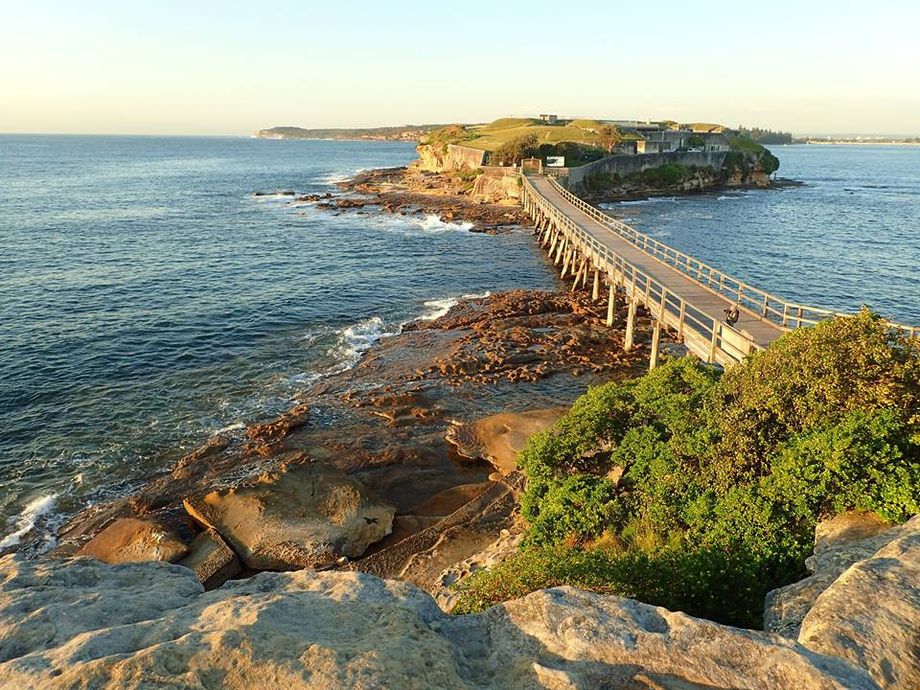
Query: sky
point(230, 68)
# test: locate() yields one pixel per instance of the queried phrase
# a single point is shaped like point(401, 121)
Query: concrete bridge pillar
point(611, 303)
point(656, 336)
point(629, 338)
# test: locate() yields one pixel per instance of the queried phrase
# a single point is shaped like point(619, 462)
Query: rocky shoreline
point(411, 191)
point(401, 466)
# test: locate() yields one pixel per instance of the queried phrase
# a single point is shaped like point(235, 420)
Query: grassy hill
point(493, 135)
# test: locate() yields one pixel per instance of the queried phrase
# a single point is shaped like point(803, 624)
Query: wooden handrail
point(702, 331)
point(776, 309)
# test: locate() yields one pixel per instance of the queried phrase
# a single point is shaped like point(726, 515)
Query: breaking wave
point(28, 519)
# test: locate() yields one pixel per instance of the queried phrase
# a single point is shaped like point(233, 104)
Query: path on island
point(680, 292)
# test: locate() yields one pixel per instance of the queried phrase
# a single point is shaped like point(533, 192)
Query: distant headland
point(399, 133)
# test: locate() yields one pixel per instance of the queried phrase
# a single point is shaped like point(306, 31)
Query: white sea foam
point(28, 518)
point(275, 196)
point(643, 202)
point(354, 340)
point(337, 177)
point(236, 426)
point(432, 223)
point(436, 308)
point(357, 339)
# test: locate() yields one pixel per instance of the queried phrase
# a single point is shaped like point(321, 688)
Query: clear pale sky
point(203, 67)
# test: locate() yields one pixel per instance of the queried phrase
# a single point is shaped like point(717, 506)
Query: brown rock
point(211, 559)
point(500, 437)
point(302, 516)
point(846, 528)
point(131, 539)
point(277, 429)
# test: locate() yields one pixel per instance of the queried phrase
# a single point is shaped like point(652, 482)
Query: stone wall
point(573, 178)
point(464, 156)
point(454, 157)
point(498, 185)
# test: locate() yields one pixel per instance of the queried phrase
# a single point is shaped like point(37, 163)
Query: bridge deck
point(761, 330)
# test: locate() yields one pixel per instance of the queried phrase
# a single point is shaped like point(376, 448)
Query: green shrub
point(710, 486)
point(513, 151)
point(577, 506)
point(666, 175)
point(719, 584)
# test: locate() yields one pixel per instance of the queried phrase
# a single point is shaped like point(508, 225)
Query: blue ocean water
point(850, 235)
point(148, 298)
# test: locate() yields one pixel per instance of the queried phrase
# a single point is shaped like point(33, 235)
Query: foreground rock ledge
point(82, 623)
point(301, 516)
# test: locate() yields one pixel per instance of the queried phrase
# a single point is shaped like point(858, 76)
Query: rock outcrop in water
point(69, 624)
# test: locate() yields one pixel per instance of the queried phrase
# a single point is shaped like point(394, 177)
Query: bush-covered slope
point(700, 491)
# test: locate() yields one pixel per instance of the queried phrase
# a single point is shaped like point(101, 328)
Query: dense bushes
point(513, 151)
point(701, 492)
point(666, 175)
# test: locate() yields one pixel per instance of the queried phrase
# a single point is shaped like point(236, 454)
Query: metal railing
point(780, 311)
point(705, 335)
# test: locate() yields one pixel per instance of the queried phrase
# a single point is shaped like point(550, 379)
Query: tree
point(610, 137)
point(513, 151)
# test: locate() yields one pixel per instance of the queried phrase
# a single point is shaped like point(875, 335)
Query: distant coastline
point(863, 142)
point(409, 133)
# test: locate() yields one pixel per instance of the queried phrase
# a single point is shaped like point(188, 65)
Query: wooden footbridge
point(680, 292)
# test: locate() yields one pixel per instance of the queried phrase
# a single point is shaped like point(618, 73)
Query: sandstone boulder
point(301, 516)
point(133, 539)
point(500, 437)
point(212, 561)
point(68, 624)
point(839, 543)
point(870, 615)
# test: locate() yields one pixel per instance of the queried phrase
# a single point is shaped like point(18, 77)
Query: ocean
point(156, 291)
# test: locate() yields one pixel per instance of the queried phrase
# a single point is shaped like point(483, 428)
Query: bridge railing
point(776, 309)
point(706, 335)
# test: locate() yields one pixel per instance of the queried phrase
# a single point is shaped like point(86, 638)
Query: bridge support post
point(656, 336)
point(596, 291)
point(611, 303)
point(568, 259)
point(581, 274)
point(629, 338)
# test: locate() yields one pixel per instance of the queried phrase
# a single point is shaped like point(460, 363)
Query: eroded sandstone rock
point(500, 437)
point(301, 516)
point(212, 561)
point(132, 539)
point(66, 624)
point(870, 615)
point(839, 543)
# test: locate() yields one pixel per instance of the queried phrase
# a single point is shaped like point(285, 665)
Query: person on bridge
point(732, 314)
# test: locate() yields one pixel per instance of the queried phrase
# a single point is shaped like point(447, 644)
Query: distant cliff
point(403, 133)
